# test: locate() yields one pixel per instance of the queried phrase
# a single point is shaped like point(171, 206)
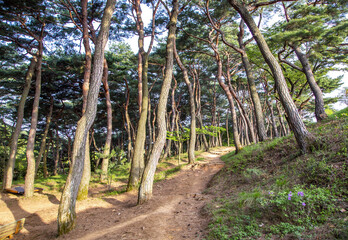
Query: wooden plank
point(12, 228)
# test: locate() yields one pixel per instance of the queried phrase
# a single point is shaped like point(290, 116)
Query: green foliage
point(318, 172)
point(179, 136)
point(301, 206)
point(114, 166)
point(283, 194)
point(167, 173)
point(210, 130)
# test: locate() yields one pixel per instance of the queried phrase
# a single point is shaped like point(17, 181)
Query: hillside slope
point(271, 191)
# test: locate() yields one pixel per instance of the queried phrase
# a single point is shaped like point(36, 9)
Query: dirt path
point(173, 212)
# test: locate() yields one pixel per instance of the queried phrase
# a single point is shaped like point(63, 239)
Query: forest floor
point(174, 212)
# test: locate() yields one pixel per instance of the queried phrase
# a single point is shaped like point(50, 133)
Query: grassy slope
point(270, 191)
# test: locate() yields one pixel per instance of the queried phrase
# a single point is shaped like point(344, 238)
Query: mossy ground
point(271, 191)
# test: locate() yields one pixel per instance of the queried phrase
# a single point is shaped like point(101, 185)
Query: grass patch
point(270, 191)
point(167, 173)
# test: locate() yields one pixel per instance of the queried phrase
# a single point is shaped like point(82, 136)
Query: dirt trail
point(172, 213)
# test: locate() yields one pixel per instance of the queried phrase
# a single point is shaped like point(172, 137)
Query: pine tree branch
point(254, 6)
point(219, 30)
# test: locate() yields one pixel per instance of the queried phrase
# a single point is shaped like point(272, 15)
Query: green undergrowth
point(271, 191)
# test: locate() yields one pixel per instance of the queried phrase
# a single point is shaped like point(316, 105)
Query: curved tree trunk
point(44, 137)
point(137, 164)
point(303, 137)
point(240, 105)
point(232, 108)
point(66, 211)
point(30, 176)
point(192, 144)
point(229, 97)
point(83, 188)
point(145, 190)
point(320, 113)
point(199, 115)
point(260, 121)
point(8, 173)
point(107, 146)
point(255, 98)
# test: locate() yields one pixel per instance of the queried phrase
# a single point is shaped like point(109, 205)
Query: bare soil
point(174, 212)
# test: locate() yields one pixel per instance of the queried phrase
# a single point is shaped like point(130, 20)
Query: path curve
point(174, 212)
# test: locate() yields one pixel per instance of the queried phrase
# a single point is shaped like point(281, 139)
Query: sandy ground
point(174, 212)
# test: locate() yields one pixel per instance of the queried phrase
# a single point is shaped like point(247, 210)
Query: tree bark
point(192, 144)
point(270, 107)
point(145, 190)
point(227, 132)
point(252, 87)
point(229, 97)
point(138, 154)
point(66, 211)
point(8, 173)
point(44, 164)
point(137, 164)
point(303, 137)
point(107, 146)
point(30, 176)
point(128, 125)
point(44, 137)
point(84, 184)
point(320, 113)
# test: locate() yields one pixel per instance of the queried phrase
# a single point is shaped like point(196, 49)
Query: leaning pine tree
point(66, 211)
point(145, 190)
point(303, 137)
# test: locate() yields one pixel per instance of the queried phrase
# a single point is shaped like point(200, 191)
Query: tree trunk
point(44, 164)
point(150, 137)
point(66, 211)
point(320, 113)
point(240, 105)
point(145, 190)
point(8, 173)
point(252, 87)
point(192, 144)
point(138, 154)
point(303, 137)
point(230, 100)
point(56, 159)
point(44, 137)
point(30, 176)
point(107, 146)
point(199, 107)
point(84, 184)
point(128, 125)
point(227, 133)
point(172, 126)
point(137, 164)
point(86, 175)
